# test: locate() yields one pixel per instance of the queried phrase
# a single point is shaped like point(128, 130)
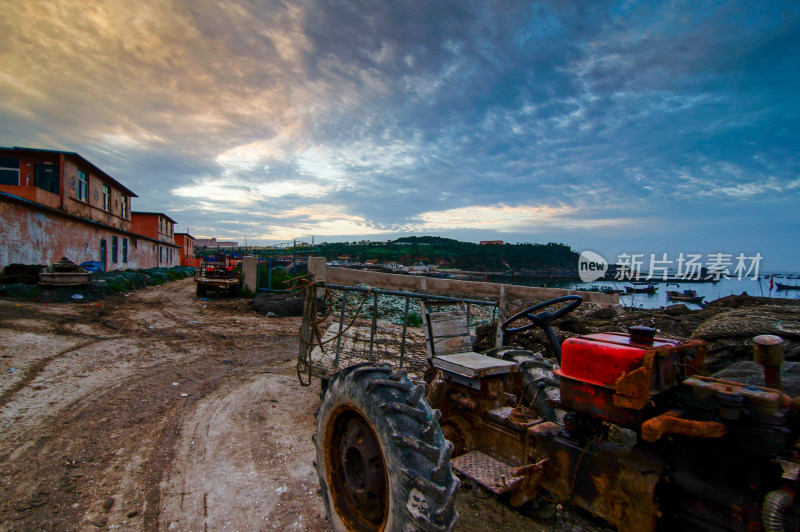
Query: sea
point(759, 287)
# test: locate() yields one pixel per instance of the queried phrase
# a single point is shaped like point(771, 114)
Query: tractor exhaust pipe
point(768, 351)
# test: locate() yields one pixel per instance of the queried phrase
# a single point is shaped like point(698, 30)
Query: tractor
point(622, 425)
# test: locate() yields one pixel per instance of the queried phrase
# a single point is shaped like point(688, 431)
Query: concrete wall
point(250, 273)
point(32, 235)
point(509, 296)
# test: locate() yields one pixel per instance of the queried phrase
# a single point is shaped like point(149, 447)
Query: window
point(114, 246)
point(123, 206)
point(103, 253)
point(125, 250)
point(83, 186)
point(9, 171)
point(45, 176)
point(160, 225)
point(106, 198)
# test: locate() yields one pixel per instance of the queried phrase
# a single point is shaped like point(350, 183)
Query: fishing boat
point(591, 288)
point(782, 286)
point(611, 290)
point(641, 289)
point(687, 296)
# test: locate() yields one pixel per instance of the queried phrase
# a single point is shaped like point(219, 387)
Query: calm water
point(711, 291)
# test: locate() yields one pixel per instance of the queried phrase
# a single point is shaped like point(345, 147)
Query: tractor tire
point(539, 383)
point(202, 290)
point(382, 461)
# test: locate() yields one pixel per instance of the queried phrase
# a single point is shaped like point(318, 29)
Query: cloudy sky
point(627, 126)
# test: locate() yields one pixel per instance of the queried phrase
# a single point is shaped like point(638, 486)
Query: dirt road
point(160, 412)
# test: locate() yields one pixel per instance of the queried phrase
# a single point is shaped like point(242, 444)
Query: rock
point(279, 304)
point(602, 313)
point(571, 324)
point(678, 310)
point(108, 503)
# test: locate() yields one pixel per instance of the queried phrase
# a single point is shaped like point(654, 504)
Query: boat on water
point(591, 288)
point(782, 286)
point(687, 296)
point(605, 289)
point(611, 290)
point(641, 289)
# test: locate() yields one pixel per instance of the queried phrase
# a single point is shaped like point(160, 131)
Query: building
point(186, 242)
point(491, 243)
point(57, 204)
point(161, 228)
point(214, 243)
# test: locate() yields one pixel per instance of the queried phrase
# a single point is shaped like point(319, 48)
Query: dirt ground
point(156, 411)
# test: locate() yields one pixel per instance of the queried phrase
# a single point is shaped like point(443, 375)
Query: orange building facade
point(159, 227)
point(58, 204)
point(186, 242)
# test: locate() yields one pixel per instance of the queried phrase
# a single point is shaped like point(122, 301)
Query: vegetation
point(446, 252)
point(280, 278)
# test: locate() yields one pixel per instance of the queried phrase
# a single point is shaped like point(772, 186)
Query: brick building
point(187, 243)
point(161, 228)
point(58, 204)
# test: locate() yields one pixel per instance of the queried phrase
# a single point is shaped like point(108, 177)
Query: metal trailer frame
point(309, 338)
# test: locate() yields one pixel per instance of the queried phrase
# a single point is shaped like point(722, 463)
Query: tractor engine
point(709, 453)
point(628, 429)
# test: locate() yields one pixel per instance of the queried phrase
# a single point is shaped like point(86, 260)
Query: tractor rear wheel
point(202, 290)
point(382, 461)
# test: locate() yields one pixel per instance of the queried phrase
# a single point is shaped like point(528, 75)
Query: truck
point(217, 272)
point(626, 426)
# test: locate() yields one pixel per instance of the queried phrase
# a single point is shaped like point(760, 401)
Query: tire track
point(35, 369)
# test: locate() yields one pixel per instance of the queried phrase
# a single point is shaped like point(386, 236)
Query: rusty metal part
point(671, 423)
point(458, 431)
point(488, 472)
point(436, 390)
point(609, 377)
point(357, 472)
point(768, 351)
point(529, 487)
point(463, 401)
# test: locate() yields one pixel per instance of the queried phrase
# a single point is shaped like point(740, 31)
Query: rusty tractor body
point(624, 426)
point(217, 272)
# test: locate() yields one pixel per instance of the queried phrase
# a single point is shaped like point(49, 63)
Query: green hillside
point(446, 252)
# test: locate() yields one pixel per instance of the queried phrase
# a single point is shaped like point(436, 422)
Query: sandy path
point(160, 412)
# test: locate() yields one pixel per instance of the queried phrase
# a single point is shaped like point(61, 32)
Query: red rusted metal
point(671, 423)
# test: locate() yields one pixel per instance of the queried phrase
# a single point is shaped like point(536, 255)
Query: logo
point(591, 266)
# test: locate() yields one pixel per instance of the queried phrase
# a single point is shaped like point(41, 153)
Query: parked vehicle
point(624, 426)
point(217, 272)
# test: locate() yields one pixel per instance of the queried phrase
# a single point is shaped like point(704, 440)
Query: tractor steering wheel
point(544, 319)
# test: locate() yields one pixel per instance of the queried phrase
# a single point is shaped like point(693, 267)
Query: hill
point(447, 252)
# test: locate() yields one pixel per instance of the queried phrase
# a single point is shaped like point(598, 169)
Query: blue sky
point(639, 127)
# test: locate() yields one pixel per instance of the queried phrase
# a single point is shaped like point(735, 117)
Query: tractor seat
point(472, 365)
